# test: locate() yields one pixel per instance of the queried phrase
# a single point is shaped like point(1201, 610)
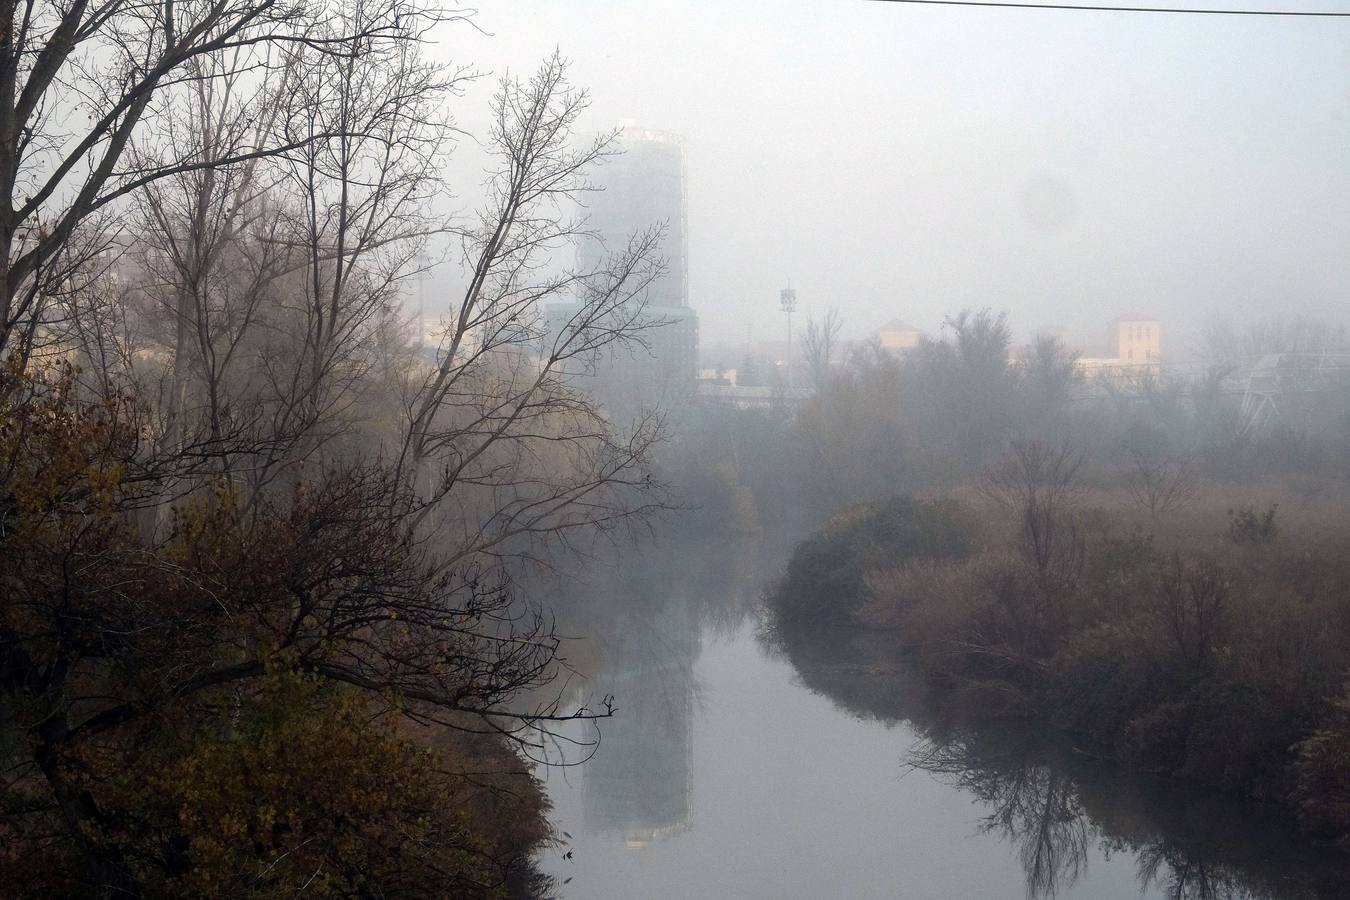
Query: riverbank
point(795, 781)
point(1056, 802)
point(1208, 642)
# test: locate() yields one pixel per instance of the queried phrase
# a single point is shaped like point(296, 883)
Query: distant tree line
point(1132, 561)
point(935, 417)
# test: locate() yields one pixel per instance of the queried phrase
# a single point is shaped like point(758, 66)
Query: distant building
point(898, 337)
point(640, 188)
point(1133, 349)
point(1136, 339)
point(718, 376)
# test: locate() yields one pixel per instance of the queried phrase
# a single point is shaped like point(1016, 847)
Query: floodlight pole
point(787, 300)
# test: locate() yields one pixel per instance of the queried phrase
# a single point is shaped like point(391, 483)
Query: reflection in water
point(791, 785)
point(1034, 807)
point(1058, 806)
point(640, 781)
point(1056, 813)
point(645, 620)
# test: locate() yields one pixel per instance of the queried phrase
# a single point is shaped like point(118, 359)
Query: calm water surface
point(724, 775)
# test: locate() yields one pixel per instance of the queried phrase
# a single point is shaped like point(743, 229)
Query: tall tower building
point(640, 187)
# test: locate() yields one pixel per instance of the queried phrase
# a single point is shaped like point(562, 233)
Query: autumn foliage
point(277, 695)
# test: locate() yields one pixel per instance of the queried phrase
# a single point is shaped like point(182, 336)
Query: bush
point(1105, 678)
point(824, 580)
point(1246, 526)
point(1168, 644)
point(1323, 791)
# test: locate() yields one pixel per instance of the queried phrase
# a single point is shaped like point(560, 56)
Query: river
point(732, 771)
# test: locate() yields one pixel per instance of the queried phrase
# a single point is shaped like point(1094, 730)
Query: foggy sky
point(904, 161)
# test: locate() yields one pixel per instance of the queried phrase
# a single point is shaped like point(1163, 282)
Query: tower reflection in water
point(639, 784)
point(649, 619)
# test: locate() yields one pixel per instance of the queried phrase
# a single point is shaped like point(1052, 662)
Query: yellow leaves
point(232, 825)
point(306, 781)
point(104, 481)
point(263, 781)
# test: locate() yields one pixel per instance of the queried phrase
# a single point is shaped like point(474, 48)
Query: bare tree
point(1038, 481)
point(277, 272)
point(1158, 482)
point(274, 277)
point(116, 68)
point(1190, 603)
point(498, 422)
point(1047, 371)
point(819, 345)
point(283, 162)
point(208, 250)
point(963, 395)
point(372, 141)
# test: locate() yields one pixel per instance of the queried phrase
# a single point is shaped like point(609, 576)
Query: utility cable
point(1084, 7)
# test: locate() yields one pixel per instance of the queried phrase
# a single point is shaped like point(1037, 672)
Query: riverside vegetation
point(1129, 561)
point(1211, 643)
point(261, 632)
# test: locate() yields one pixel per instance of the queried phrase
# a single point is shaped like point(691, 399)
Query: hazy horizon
point(907, 161)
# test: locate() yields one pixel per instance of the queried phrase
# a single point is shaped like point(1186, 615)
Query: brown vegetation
point(1158, 636)
point(260, 700)
point(256, 546)
point(1138, 560)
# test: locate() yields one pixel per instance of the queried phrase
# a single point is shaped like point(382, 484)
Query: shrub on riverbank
point(1163, 639)
point(824, 582)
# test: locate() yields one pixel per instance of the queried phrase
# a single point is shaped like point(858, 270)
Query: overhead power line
point(1084, 7)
